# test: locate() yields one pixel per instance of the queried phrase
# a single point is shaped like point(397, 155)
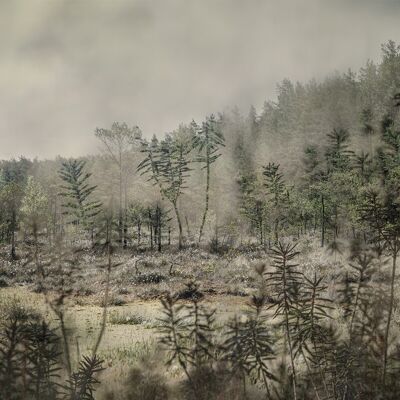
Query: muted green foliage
point(77, 192)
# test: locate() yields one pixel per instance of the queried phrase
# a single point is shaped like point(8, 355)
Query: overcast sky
point(69, 66)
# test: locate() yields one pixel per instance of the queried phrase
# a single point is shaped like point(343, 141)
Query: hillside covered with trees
point(295, 206)
point(314, 139)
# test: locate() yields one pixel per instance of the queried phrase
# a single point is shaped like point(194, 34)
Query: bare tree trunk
point(178, 218)
point(291, 355)
point(105, 300)
point(188, 227)
point(120, 216)
point(207, 196)
point(139, 231)
point(159, 228)
point(216, 237)
point(13, 227)
point(159, 239)
point(155, 230)
point(125, 214)
point(323, 222)
point(125, 230)
point(54, 221)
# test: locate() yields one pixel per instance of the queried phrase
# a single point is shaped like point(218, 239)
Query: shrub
point(126, 318)
point(151, 277)
point(146, 385)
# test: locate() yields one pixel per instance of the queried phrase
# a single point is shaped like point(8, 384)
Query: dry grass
point(134, 307)
point(125, 343)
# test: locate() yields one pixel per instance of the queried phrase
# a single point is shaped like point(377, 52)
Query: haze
point(70, 66)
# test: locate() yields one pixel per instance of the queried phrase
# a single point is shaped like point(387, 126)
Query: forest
point(239, 257)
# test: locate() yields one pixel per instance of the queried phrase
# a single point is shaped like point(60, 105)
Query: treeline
point(303, 165)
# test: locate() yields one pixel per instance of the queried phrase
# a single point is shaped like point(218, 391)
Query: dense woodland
point(320, 166)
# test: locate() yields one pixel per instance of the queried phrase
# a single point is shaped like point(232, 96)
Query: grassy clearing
point(134, 309)
point(130, 338)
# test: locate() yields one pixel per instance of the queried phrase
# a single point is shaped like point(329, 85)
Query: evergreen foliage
point(77, 193)
point(207, 141)
point(309, 187)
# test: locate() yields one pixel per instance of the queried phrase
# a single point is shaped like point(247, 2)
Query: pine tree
point(313, 310)
point(382, 212)
point(77, 193)
point(207, 141)
point(253, 205)
point(278, 196)
point(249, 345)
point(363, 165)
point(310, 160)
point(362, 263)
point(167, 162)
point(283, 283)
point(338, 155)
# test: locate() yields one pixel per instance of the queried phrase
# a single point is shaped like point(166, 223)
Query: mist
point(199, 199)
point(69, 66)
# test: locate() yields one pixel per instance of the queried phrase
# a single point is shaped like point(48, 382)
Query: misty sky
point(69, 66)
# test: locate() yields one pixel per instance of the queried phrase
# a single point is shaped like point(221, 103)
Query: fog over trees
point(307, 151)
point(245, 255)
